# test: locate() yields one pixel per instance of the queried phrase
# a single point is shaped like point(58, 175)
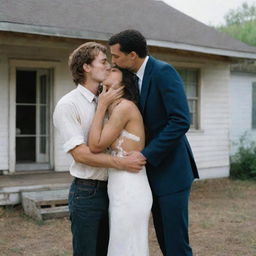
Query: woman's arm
point(103, 135)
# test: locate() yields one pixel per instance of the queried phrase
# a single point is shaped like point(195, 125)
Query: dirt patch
point(222, 223)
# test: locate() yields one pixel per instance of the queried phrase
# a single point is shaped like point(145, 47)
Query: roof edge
point(203, 49)
point(53, 31)
point(92, 35)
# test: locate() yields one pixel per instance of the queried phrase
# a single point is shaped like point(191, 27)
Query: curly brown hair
point(84, 54)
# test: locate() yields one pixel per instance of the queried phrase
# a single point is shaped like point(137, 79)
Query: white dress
point(130, 202)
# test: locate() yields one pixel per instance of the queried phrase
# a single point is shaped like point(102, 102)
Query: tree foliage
point(243, 14)
point(241, 23)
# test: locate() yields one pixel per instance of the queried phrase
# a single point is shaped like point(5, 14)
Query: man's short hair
point(130, 40)
point(84, 54)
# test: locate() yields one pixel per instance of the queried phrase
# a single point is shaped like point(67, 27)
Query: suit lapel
point(145, 83)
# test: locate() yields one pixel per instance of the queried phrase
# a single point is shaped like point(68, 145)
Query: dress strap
point(130, 136)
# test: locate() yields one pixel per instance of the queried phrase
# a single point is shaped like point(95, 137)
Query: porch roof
point(161, 24)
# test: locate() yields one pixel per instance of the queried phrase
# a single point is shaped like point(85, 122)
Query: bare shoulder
point(125, 107)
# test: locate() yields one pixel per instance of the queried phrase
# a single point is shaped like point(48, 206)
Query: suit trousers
point(170, 215)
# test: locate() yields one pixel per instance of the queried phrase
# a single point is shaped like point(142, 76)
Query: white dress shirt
point(141, 72)
point(72, 118)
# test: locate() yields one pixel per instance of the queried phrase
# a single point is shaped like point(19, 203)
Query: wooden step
point(54, 212)
point(42, 205)
point(11, 186)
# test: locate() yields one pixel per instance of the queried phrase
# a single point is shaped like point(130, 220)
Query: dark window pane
point(26, 119)
point(25, 149)
point(190, 78)
point(43, 88)
point(26, 86)
point(43, 120)
point(42, 145)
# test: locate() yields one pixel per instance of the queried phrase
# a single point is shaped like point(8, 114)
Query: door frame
point(15, 64)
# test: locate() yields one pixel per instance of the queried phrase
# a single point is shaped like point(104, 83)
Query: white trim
point(14, 64)
point(93, 35)
point(202, 49)
point(214, 172)
point(12, 119)
point(32, 167)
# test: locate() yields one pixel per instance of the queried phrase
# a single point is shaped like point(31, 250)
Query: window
point(190, 78)
point(254, 105)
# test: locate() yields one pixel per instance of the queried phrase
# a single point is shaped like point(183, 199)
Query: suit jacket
point(163, 104)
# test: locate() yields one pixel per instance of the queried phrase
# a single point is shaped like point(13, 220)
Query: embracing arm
point(103, 135)
point(178, 121)
point(132, 163)
point(67, 124)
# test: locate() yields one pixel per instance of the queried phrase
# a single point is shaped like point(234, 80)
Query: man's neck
point(91, 86)
point(138, 64)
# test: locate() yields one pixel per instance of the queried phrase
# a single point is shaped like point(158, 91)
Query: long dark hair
point(131, 88)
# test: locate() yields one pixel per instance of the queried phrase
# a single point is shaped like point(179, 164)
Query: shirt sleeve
point(67, 122)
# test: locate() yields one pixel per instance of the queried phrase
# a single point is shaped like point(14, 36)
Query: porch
point(11, 186)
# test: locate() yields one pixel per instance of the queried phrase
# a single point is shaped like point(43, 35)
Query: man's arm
point(132, 162)
point(175, 103)
point(67, 123)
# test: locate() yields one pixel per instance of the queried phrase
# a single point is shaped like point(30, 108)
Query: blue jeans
point(88, 207)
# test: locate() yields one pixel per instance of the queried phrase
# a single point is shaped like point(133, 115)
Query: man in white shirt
point(88, 201)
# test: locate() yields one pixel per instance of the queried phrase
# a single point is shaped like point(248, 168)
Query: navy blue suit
point(171, 167)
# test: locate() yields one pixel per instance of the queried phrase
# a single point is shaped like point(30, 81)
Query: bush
point(243, 163)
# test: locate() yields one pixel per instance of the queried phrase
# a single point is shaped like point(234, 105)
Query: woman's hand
point(107, 97)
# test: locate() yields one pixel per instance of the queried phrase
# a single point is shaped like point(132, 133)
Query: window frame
point(197, 126)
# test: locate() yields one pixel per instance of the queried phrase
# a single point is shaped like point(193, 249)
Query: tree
point(241, 23)
point(241, 15)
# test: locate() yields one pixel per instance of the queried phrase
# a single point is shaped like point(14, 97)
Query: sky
point(210, 12)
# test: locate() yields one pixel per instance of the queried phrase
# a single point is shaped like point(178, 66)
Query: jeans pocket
point(84, 192)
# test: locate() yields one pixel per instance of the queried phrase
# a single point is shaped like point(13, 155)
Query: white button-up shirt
point(72, 118)
point(141, 72)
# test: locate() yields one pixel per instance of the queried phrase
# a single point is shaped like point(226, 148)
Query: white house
point(36, 38)
point(242, 105)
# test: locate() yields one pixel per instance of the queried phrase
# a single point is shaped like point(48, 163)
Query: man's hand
point(107, 97)
point(132, 162)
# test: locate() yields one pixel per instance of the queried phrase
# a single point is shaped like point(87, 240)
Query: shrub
point(243, 163)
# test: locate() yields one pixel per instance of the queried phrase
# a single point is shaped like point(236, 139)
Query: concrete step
point(47, 204)
point(11, 186)
point(54, 212)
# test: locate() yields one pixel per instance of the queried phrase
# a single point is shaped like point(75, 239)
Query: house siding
point(211, 145)
point(241, 109)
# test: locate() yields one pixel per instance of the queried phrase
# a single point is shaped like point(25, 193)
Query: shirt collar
point(141, 70)
point(86, 93)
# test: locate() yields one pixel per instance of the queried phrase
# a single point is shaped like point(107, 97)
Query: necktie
point(95, 100)
point(136, 82)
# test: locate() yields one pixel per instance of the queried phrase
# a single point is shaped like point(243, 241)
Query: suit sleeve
point(175, 104)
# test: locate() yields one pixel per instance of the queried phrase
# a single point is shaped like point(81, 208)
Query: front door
point(32, 119)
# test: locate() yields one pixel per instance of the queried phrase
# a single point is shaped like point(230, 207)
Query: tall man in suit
point(171, 167)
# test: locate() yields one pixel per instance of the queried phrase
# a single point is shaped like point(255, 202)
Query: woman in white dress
point(130, 197)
